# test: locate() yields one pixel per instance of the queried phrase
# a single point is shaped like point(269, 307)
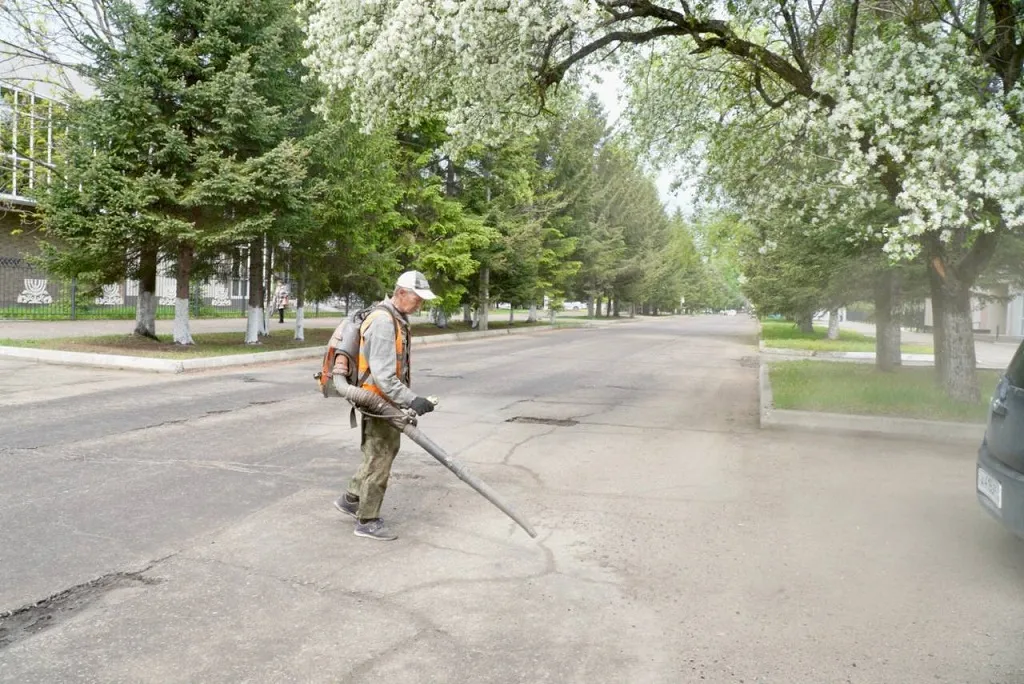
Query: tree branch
point(709, 35)
point(978, 256)
point(851, 30)
point(796, 42)
point(551, 75)
point(759, 87)
point(1006, 57)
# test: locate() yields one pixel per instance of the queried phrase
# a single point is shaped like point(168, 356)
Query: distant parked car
point(1000, 481)
point(574, 306)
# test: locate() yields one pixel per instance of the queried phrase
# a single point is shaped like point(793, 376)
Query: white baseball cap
point(417, 282)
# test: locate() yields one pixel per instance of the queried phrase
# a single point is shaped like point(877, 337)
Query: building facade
point(997, 313)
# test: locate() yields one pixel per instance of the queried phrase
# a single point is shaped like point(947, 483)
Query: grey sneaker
point(347, 507)
point(375, 529)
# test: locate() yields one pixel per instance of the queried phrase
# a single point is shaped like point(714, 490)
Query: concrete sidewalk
point(989, 354)
point(34, 330)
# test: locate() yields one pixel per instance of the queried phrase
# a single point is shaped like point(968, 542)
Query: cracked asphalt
point(180, 529)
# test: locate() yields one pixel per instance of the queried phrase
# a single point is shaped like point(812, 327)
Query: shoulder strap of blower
point(362, 329)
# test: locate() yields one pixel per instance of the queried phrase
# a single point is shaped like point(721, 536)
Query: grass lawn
point(785, 335)
point(836, 387)
point(220, 344)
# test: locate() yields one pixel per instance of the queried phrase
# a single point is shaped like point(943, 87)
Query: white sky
point(609, 90)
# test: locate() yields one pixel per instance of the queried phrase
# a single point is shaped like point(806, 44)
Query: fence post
point(74, 298)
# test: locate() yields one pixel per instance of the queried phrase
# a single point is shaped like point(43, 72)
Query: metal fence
point(28, 293)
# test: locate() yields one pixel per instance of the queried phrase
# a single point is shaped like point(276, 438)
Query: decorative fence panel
point(28, 293)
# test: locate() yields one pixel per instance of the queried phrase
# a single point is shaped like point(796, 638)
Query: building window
point(240, 274)
point(26, 144)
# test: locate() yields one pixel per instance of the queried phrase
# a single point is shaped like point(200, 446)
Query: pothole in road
point(24, 622)
point(558, 422)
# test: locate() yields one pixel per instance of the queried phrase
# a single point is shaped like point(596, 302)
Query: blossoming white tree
point(485, 63)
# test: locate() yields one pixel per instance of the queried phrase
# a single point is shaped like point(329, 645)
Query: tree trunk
point(268, 292)
point(938, 329)
point(145, 307)
point(833, 324)
point(442, 318)
point(953, 336)
point(467, 314)
point(590, 306)
point(255, 314)
point(950, 277)
point(805, 323)
point(182, 334)
point(485, 303)
point(532, 316)
point(615, 313)
point(888, 355)
point(300, 301)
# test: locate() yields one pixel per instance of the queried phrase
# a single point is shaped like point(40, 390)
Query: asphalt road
point(180, 529)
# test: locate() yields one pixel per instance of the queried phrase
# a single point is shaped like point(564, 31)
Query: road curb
point(841, 423)
point(157, 365)
point(112, 361)
point(865, 357)
point(922, 360)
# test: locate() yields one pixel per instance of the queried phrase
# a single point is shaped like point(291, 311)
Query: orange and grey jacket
point(384, 366)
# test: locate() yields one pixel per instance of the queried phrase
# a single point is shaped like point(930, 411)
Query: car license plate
point(990, 487)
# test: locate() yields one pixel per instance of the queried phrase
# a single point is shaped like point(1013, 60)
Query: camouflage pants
point(380, 442)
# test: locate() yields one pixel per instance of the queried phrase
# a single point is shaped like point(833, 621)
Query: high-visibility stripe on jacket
point(402, 365)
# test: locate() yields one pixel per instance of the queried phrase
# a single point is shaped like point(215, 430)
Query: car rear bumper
point(1009, 510)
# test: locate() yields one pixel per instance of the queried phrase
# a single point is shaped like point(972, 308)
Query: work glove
point(421, 405)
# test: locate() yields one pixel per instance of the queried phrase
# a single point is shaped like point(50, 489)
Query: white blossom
point(470, 62)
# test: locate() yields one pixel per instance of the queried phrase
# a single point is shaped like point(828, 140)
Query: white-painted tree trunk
point(264, 321)
point(300, 333)
point(182, 334)
point(485, 298)
point(145, 314)
point(254, 324)
point(532, 316)
point(442, 318)
point(833, 324)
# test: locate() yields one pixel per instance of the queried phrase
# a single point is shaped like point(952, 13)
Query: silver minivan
point(1000, 473)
